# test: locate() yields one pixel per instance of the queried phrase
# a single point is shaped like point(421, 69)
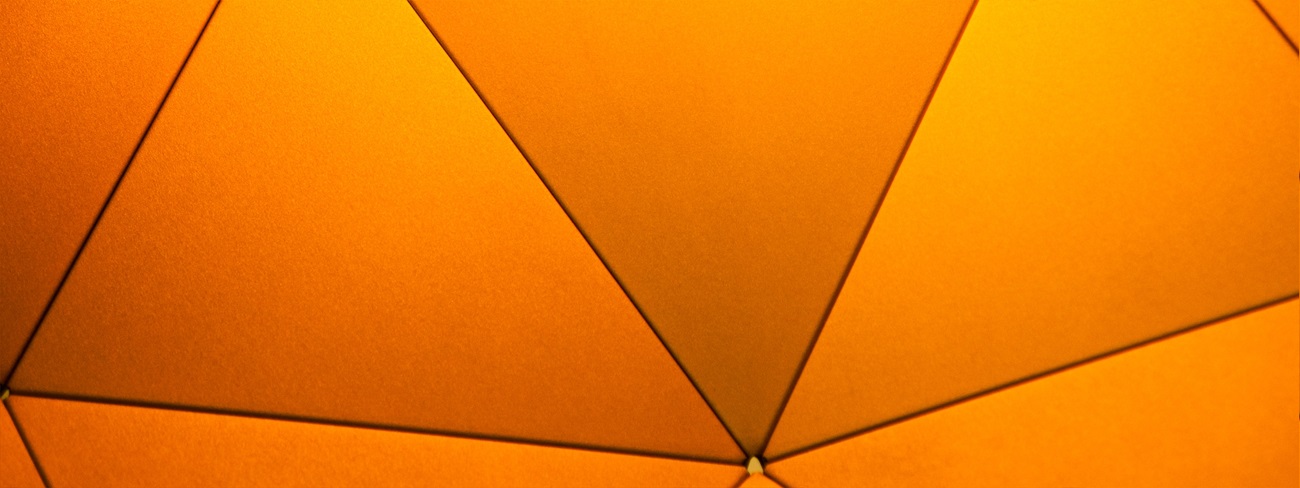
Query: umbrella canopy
point(668, 243)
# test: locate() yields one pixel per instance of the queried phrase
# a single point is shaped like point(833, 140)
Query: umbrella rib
point(1040, 375)
point(13, 369)
point(22, 435)
point(1278, 27)
point(779, 482)
point(740, 482)
point(880, 200)
point(359, 425)
point(579, 228)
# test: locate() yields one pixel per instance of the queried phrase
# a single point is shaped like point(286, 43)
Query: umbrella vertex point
point(754, 466)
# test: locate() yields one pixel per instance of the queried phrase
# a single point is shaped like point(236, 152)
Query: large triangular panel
point(92, 444)
point(722, 157)
point(1214, 407)
point(326, 222)
point(16, 467)
point(1087, 177)
point(79, 84)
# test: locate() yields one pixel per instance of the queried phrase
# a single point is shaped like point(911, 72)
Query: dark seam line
point(742, 480)
point(1277, 27)
point(581, 232)
point(22, 435)
point(880, 200)
point(779, 482)
point(9, 377)
point(359, 425)
point(1037, 376)
point(769, 476)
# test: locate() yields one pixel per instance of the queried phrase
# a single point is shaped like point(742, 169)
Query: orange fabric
point(1286, 13)
point(722, 156)
point(1088, 176)
point(326, 222)
point(1212, 408)
point(79, 83)
point(16, 468)
point(759, 481)
point(97, 445)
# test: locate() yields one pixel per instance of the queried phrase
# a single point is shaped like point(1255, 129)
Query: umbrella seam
point(862, 239)
point(779, 482)
point(1278, 27)
point(1037, 376)
point(22, 353)
point(578, 227)
point(741, 482)
point(22, 436)
point(123, 402)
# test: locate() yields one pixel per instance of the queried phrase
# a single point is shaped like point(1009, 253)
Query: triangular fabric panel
point(1211, 408)
point(759, 481)
point(1286, 13)
point(723, 157)
point(92, 444)
point(326, 222)
point(16, 467)
point(80, 82)
point(1087, 177)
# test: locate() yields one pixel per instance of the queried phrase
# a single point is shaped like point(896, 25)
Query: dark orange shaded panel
point(1087, 177)
point(16, 468)
point(326, 222)
point(1215, 407)
point(80, 82)
point(92, 444)
point(723, 157)
point(1286, 13)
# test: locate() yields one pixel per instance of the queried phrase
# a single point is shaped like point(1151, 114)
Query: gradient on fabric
point(93, 444)
point(325, 222)
point(80, 82)
point(723, 157)
point(1211, 408)
point(16, 468)
point(1089, 175)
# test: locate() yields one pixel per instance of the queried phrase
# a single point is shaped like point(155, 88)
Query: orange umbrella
point(649, 243)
